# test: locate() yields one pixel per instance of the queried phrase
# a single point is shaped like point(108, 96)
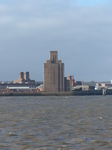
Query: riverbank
point(73, 93)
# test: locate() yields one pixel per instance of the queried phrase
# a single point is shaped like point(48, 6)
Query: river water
point(56, 123)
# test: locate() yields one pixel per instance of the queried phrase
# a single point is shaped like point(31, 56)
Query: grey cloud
point(82, 35)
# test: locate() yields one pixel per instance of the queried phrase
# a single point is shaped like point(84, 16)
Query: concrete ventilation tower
point(26, 76)
point(53, 73)
point(21, 75)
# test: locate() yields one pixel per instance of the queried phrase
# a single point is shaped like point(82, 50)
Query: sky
point(80, 30)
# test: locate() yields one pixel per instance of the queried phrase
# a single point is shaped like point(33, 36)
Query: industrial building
point(23, 78)
point(53, 73)
point(22, 89)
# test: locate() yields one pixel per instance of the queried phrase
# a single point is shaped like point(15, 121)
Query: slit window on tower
point(53, 58)
point(54, 76)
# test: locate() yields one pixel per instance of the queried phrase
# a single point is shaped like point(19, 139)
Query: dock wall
point(73, 93)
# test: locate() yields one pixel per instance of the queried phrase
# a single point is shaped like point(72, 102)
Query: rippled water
point(56, 123)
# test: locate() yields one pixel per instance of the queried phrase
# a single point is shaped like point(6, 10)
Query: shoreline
point(73, 93)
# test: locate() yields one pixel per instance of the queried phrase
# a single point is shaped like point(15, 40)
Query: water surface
point(56, 123)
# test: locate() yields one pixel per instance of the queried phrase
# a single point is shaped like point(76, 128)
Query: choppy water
point(56, 123)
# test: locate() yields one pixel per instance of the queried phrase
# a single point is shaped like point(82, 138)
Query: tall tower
point(26, 76)
point(53, 73)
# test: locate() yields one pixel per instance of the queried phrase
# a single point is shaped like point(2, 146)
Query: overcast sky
point(80, 30)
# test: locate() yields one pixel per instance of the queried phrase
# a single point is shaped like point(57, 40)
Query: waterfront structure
point(20, 79)
point(111, 82)
point(98, 86)
point(106, 86)
point(11, 84)
point(81, 88)
point(68, 83)
point(24, 89)
point(71, 79)
point(53, 73)
point(40, 87)
point(23, 78)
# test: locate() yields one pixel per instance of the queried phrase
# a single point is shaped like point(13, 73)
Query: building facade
point(53, 73)
point(68, 83)
point(24, 77)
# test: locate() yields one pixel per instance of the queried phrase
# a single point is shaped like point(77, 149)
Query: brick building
point(69, 83)
point(24, 77)
point(53, 73)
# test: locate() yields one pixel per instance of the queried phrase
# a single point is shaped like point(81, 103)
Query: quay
point(73, 93)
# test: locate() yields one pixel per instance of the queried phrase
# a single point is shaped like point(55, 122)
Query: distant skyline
point(80, 30)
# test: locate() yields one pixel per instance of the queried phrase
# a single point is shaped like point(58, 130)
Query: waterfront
point(56, 123)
